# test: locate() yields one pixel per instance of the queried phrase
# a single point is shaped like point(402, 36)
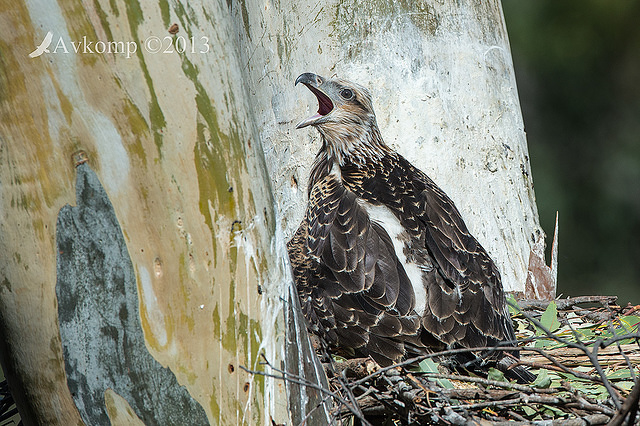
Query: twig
point(342, 379)
point(630, 406)
point(557, 366)
point(630, 366)
point(517, 416)
point(527, 399)
point(417, 359)
point(526, 304)
point(292, 378)
point(486, 382)
point(572, 356)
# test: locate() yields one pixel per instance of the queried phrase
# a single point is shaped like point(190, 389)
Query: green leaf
point(522, 325)
point(604, 394)
point(528, 410)
point(543, 381)
point(630, 323)
point(544, 343)
point(512, 305)
point(631, 320)
point(549, 319)
point(497, 375)
point(585, 333)
point(429, 366)
point(620, 374)
point(338, 358)
point(626, 385)
point(554, 412)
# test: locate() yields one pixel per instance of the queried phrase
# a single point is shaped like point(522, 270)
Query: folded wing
point(354, 282)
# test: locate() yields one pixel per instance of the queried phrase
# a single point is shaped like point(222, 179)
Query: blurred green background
point(577, 65)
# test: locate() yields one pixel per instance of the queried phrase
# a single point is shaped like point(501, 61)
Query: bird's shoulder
point(426, 210)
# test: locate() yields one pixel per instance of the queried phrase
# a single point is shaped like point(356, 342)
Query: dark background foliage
point(577, 64)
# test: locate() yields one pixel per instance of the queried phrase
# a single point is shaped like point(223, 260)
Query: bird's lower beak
point(325, 106)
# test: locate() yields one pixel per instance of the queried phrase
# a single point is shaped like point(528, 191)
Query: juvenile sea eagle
point(383, 262)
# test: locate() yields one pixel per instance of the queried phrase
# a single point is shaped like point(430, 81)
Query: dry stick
point(594, 419)
point(628, 361)
point(617, 339)
point(573, 402)
point(342, 380)
point(630, 405)
point(542, 366)
point(560, 367)
point(620, 337)
point(576, 400)
point(283, 375)
point(581, 403)
point(584, 405)
point(572, 355)
point(624, 355)
point(565, 303)
point(487, 382)
point(304, 421)
point(367, 391)
point(384, 402)
point(373, 393)
point(539, 399)
point(354, 409)
point(517, 416)
point(417, 359)
point(593, 357)
point(535, 399)
point(580, 347)
point(320, 404)
point(302, 382)
point(577, 337)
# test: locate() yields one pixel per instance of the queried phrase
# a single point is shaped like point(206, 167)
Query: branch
point(526, 304)
point(630, 406)
point(285, 376)
point(486, 382)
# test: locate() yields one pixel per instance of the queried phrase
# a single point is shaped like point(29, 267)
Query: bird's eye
point(346, 93)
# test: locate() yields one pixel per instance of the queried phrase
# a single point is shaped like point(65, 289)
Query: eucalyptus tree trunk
point(149, 180)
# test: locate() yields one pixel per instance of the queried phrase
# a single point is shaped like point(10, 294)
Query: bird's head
point(345, 117)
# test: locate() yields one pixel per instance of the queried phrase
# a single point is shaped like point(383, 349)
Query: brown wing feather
point(465, 302)
point(465, 267)
point(351, 284)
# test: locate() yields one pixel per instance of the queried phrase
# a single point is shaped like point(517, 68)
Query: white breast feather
point(385, 217)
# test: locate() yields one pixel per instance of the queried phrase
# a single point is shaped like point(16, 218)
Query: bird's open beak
point(325, 106)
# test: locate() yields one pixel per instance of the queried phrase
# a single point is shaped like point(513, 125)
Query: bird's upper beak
point(315, 83)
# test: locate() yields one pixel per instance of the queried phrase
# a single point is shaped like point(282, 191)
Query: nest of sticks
point(584, 351)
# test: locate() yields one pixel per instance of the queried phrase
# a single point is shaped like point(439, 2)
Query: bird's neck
point(345, 153)
point(356, 143)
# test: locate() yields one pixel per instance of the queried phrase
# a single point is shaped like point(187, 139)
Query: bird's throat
point(357, 143)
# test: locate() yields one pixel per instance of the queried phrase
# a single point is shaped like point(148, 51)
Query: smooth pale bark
point(198, 155)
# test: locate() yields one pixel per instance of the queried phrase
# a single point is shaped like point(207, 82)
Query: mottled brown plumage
point(383, 262)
